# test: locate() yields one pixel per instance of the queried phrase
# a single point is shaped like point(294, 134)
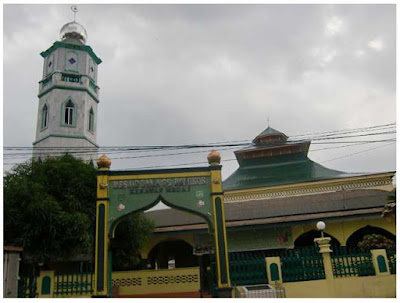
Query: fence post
point(380, 261)
point(274, 269)
point(45, 285)
point(325, 250)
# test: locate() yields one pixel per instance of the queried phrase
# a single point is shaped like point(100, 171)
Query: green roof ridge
point(269, 130)
point(59, 44)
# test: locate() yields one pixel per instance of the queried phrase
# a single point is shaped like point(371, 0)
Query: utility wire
point(360, 152)
point(361, 129)
point(142, 148)
point(161, 155)
point(243, 142)
point(76, 153)
point(226, 145)
point(232, 159)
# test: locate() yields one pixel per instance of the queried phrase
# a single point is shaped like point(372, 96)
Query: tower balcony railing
point(92, 85)
point(75, 80)
point(71, 78)
point(46, 81)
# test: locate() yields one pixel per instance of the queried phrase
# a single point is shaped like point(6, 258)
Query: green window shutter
point(46, 282)
point(381, 263)
point(273, 268)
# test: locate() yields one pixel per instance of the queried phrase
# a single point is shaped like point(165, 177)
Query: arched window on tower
point(69, 113)
point(91, 120)
point(45, 116)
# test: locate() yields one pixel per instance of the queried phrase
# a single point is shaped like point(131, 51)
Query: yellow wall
point(343, 229)
point(349, 287)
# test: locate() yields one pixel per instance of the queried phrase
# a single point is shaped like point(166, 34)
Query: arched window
point(45, 116)
point(358, 235)
point(91, 120)
point(69, 113)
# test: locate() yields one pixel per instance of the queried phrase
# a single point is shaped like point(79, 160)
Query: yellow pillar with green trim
point(45, 286)
point(101, 288)
point(221, 246)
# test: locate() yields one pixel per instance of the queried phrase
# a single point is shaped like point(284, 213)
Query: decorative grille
point(172, 279)
point(126, 282)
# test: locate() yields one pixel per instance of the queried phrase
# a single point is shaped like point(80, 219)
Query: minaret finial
point(74, 8)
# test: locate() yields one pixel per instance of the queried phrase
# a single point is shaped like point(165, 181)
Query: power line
point(361, 129)
point(363, 151)
point(243, 142)
point(76, 153)
point(223, 145)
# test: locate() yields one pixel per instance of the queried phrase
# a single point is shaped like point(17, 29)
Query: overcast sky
point(182, 74)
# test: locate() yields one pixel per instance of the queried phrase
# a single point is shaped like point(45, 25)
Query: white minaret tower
point(68, 97)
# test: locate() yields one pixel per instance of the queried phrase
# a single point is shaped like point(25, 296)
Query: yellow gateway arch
point(122, 193)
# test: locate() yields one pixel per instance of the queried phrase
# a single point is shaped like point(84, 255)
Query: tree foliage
point(50, 209)
point(375, 241)
point(125, 255)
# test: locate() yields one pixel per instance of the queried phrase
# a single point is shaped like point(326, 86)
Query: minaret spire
point(74, 8)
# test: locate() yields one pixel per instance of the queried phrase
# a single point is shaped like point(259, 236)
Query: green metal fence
point(391, 255)
point(27, 287)
point(73, 284)
point(302, 264)
point(347, 262)
point(247, 268)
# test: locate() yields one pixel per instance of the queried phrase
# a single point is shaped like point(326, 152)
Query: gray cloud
point(178, 74)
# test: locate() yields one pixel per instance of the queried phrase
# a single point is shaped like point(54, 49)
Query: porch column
point(380, 262)
point(221, 248)
point(325, 250)
point(102, 274)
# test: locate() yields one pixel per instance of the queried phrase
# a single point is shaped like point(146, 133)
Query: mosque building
point(272, 201)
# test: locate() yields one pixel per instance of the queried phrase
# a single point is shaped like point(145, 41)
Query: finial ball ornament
point(321, 225)
point(73, 30)
point(104, 162)
point(214, 158)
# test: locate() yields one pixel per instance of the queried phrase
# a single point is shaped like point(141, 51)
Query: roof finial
point(268, 120)
point(74, 8)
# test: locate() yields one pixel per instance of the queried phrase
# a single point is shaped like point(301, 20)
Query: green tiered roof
point(272, 160)
point(270, 131)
